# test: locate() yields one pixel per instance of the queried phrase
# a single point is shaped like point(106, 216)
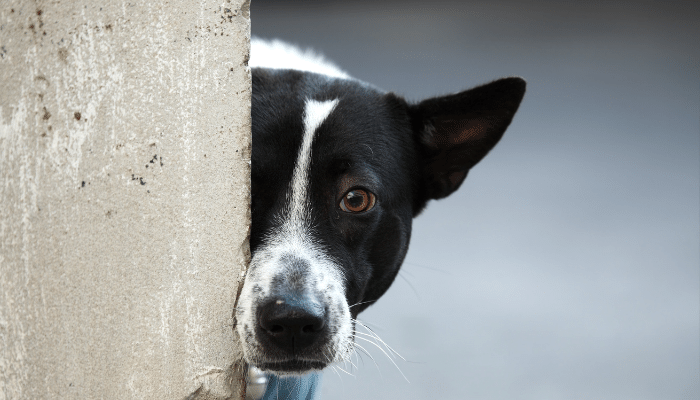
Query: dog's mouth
point(292, 367)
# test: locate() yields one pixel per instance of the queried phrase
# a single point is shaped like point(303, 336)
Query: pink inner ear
point(460, 131)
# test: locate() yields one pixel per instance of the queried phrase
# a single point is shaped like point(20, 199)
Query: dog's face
point(339, 169)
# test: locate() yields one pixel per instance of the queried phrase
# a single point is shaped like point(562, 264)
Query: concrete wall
point(124, 182)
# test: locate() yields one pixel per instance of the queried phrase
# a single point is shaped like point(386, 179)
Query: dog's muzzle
point(292, 315)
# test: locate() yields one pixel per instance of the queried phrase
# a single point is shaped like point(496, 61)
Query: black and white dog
point(339, 169)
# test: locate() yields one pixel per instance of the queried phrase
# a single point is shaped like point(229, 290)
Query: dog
point(339, 170)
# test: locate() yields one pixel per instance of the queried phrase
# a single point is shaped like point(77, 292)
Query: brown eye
point(357, 200)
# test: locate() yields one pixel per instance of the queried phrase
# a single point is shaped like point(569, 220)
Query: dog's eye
point(357, 200)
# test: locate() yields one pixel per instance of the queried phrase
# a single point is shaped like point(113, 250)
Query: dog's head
point(339, 169)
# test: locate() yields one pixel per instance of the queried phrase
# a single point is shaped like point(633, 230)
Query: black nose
point(292, 323)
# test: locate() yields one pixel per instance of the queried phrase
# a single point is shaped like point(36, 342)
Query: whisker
point(392, 351)
point(344, 371)
point(357, 358)
point(427, 267)
point(401, 274)
point(295, 384)
point(365, 323)
point(337, 373)
point(387, 355)
point(351, 363)
point(362, 302)
point(374, 334)
point(377, 346)
point(371, 358)
point(383, 342)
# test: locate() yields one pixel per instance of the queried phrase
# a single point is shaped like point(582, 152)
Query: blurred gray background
point(567, 266)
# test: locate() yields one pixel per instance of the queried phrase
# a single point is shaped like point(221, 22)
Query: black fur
point(406, 154)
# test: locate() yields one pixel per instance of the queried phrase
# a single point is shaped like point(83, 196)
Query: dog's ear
point(456, 131)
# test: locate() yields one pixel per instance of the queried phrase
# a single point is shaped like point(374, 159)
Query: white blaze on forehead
point(315, 112)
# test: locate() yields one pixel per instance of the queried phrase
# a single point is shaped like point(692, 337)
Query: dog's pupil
point(356, 199)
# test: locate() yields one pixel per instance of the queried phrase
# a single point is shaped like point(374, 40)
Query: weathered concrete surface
point(124, 181)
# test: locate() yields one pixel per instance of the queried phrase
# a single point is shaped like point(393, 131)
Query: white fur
point(295, 237)
point(277, 54)
point(315, 112)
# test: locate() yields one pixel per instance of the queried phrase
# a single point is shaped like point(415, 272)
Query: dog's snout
point(292, 323)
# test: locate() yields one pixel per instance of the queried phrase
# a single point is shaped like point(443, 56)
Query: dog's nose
point(292, 322)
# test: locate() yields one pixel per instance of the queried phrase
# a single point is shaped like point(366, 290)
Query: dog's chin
point(291, 367)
